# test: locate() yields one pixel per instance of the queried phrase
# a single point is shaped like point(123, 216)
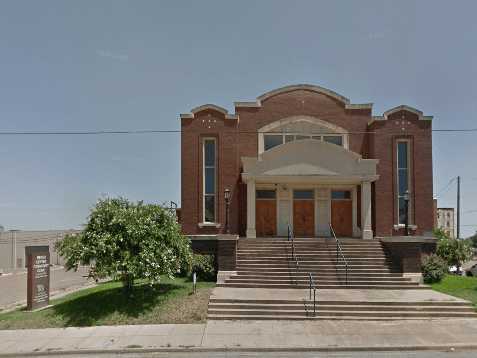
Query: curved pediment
point(304, 87)
point(309, 158)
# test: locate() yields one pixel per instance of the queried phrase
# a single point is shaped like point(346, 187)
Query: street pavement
point(231, 354)
point(240, 336)
point(13, 287)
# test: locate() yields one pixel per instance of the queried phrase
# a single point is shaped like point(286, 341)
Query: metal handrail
point(291, 238)
point(312, 287)
point(339, 252)
point(294, 256)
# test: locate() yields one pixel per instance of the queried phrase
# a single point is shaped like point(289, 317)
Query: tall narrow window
point(209, 180)
point(402, 178)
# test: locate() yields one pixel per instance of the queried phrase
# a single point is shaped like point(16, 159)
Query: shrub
point(454, 251)
point(128, 241)
point(203, 266)
point(433, 268)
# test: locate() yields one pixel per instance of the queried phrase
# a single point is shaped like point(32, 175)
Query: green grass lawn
point(171, 301)
point(459, 286)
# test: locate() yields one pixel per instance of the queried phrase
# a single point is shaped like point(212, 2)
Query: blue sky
point(80, 65)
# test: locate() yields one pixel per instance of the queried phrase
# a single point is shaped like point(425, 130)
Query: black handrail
point(339, 252)
point(312, 286)
point(291, 238)
point(294, 256)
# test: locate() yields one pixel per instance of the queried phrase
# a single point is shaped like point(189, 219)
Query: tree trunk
point(128, 282)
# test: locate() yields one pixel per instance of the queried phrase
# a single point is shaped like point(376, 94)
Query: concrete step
point(317, 278)
point(293, 273)
point(303, 261)
point(310, 266)
point(324, 313)
point(308, 253)
point(313, 247)
point(340, 308)
point(341, 270)
point(301, 318)
point(341, 303)
point(310, 244)
point(319, 282)
point(376, 285)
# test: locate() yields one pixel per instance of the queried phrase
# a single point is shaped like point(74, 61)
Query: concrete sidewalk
point(348, 295)
point(247, 335)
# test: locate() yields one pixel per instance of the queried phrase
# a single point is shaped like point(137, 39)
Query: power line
point(441, 192)
point(156, 131)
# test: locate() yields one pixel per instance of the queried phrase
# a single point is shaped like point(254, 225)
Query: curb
point(456, 347)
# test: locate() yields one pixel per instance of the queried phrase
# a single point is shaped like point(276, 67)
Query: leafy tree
point(453, 251)
point(440, 234)
point(473, 240)
point(128, 241)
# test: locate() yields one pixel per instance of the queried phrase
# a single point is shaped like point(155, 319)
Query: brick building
point(304, 157)
point(445, 221)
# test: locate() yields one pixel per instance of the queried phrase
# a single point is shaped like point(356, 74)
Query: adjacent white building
point(445, 221)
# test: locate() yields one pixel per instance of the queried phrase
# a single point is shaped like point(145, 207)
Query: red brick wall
point(238, 138)
point(383, 144)
point(193, 132)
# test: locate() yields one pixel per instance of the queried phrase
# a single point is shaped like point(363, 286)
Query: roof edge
point(205, 107)
point(306, 87)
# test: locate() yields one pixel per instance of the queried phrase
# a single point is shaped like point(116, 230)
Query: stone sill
point(410, 239)
point(215, 225)
point(218, 237)
point(401, 226)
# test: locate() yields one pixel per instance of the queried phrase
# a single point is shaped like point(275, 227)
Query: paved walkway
point(357, 295)
point(248, 335)
point(13, 287)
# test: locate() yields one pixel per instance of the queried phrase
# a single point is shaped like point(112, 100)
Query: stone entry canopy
point(310, 161)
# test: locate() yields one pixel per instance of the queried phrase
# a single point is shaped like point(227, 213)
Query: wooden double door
point(342, 217)
point(266, 217)
point(304, 218)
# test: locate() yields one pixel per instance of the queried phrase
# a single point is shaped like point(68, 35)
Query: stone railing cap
point(408, 239)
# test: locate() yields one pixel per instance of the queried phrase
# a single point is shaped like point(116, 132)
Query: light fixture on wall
point(227, 204)
point(406, 209)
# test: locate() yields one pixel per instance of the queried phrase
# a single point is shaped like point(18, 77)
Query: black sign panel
point(38, 280)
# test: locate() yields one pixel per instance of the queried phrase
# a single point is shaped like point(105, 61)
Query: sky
point(126, 65)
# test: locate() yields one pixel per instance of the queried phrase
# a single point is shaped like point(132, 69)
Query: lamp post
point(406, 208)
point(227, 204)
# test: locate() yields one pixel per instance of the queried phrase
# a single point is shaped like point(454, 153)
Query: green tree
point(453, 251)
point(128, 241)
point(473, 240)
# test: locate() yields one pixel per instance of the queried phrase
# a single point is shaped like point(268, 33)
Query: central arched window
point(299, 128)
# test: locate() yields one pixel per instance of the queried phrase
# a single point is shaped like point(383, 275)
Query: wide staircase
point(315, 279)
point(269, 263)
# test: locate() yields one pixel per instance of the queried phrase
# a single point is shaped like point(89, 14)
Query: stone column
point(366, 228)
point(354, 193)
point(251, 233)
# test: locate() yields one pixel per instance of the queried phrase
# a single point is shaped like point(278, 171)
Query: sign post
point(38, 278)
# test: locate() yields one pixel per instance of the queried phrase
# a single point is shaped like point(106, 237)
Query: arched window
point(299, 128)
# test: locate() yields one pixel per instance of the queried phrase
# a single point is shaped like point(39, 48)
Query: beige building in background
point(13, 243)
point(445, 220)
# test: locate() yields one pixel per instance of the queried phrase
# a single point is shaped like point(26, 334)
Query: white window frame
point(409, 165)
point(204, 194)
point(319, 137)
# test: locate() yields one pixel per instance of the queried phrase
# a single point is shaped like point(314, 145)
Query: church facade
point(304, 159)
